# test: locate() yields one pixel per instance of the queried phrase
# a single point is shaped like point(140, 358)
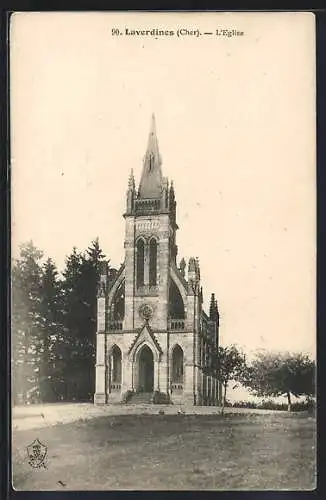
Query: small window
point(151, 162)
point(153, 262)
point(140, 263)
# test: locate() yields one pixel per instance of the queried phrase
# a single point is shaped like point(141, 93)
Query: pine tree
point(81, 276)
point(50, 374)
point(72, 319)
point(26, 323)
point(93, 262)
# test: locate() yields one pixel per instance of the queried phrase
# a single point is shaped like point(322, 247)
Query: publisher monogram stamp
point(37, 453)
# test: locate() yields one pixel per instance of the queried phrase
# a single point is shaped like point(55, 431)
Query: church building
point(153, 336)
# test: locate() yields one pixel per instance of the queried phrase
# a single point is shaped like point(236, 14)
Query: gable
point(119, 279)
point(145, 336)
point(179, 281)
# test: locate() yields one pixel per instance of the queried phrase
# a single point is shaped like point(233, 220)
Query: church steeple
point(152, 334)
point(150, 185)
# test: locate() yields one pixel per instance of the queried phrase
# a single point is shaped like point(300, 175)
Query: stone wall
point(192, 381)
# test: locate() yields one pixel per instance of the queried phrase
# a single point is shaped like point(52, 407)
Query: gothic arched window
point(176, 305)
point(118, 305)
point(177, 365)
point(152, 262)
point(116, 365)
point(140, 262)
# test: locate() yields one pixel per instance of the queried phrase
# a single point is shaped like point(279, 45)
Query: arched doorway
point(145, 370)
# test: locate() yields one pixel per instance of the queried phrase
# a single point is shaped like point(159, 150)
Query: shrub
point(244, 404)
point(160, 398)
point(126, 396)
point(308, 405)
point(268, 404)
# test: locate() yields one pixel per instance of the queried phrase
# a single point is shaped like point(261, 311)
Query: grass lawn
point(166, 452)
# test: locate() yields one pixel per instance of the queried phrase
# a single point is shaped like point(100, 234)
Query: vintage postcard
point(163, 173)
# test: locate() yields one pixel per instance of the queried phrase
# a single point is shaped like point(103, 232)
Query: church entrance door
point(146, 370)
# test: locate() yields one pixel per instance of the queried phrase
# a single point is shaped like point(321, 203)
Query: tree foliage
point(52, 331)
point(281, 374)
point(26, 320)
point(81, 276)
point(54, 325)
point(227, 364)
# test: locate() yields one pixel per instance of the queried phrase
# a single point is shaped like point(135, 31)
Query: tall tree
point(281, 374)
point(73, 318)
point(79, 317)
point(26, 321)
point(225, 365)
point(52, 332)
point(93, 262)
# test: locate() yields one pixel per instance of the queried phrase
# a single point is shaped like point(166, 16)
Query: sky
point(235, 119)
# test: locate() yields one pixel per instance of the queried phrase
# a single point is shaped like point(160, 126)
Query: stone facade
point(152, 333)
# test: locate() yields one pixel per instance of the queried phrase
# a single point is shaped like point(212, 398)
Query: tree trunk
point(224, 399)
point(289, 401)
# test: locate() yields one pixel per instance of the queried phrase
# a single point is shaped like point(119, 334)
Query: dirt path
point(40, 416)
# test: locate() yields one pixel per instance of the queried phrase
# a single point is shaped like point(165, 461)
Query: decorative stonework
point(151, 225)
point(101, 289)
point(145, 335)
point(147, 290)
point(146, 311)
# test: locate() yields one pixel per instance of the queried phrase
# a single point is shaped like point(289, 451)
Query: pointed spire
point(191, 265)
point(131, 181)
point(217, 313)
point(172, 192)
point(182, 267)
point(212, 307)
point(151, 180)
point(152, 144)
point(197, 268)
point(131, 193)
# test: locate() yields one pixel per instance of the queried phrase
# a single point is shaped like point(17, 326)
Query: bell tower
point(149, 241)
point(153, 336)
